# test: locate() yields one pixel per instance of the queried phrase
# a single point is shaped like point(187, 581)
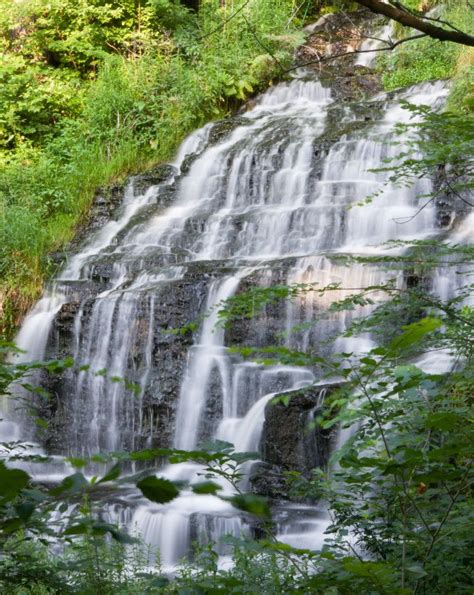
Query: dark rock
point(289, 442)
point(329, 49)
point(221, 130)
point(269, 481)
point(104, 206)
point(152, 177)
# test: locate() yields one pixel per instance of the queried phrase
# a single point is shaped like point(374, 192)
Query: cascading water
point(374, 42)
point(266, 202)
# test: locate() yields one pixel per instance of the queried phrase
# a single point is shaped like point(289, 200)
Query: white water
point(206, 354)
point(381, 38)
point(261, 203)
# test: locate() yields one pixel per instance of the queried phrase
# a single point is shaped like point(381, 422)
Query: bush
point(115, 89)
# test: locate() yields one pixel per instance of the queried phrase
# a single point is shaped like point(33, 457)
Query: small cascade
point(270, 200)
point(368, 49)
point(302, 526)
point(207, 354)
point(34, 332)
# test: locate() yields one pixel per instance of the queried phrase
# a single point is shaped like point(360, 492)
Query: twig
point(400, 221)
point(456, 193)
point(224, 22)
point(438, 20)
point(261, 44)
point(443, 521)
point(391, 45)
point(379, 423)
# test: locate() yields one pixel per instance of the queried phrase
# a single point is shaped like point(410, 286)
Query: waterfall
point(271, 200)
point(203, 356)
point(374, 42)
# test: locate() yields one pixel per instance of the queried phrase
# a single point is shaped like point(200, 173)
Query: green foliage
point(157, 489)
point(426, 59)
point(256, 505)
point(92, 91)
point(77, 34)
point(32, 103)
point(53, 538)
point(418, 61)
point(12, 481)
point(400, 490)
point(440, 150)
point(414, 448)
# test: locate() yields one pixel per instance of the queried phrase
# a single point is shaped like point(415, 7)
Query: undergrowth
point(91, 93)
point(427, 59)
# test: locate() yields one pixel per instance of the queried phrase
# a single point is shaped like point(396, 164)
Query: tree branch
point(224, 22)
point(399, 13)
point(391, 45)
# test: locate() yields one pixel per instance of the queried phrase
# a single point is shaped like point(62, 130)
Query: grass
point(428, 59)
point(134, 114)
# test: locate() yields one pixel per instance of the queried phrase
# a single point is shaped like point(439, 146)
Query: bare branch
point(442, 22)
point(391, 45)
point(262, 45)
point(402, 220)
point(456, 193)
point(224, 22)
point(398, 12)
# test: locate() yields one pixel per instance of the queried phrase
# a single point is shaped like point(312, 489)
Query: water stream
point(265, 202)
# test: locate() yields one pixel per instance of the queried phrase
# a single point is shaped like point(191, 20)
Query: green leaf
point(72, 483)
point(12, 481)
point(157, 489)
point(414, 333)
point(98, 458)
point(256, 505)
point(11, 525)
point(243, 457)
point(153, 580)
point(114, 473)
point(25, 510)
point(416, 570)
point(79, 529)
point(99, 528)
point(217, 446)
point(76, 462)
point(444, 420)
point(206, 487)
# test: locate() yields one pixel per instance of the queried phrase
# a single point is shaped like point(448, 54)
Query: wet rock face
point(221, 130)
point(289, 442)
point(328, 49)
point(269, 481)
point(178, 306)
point(155, 359)
point(266, 324)
point(106, 206)
point(149, 416)
point(451, 206)
point(288, 439)
point(152, 177)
